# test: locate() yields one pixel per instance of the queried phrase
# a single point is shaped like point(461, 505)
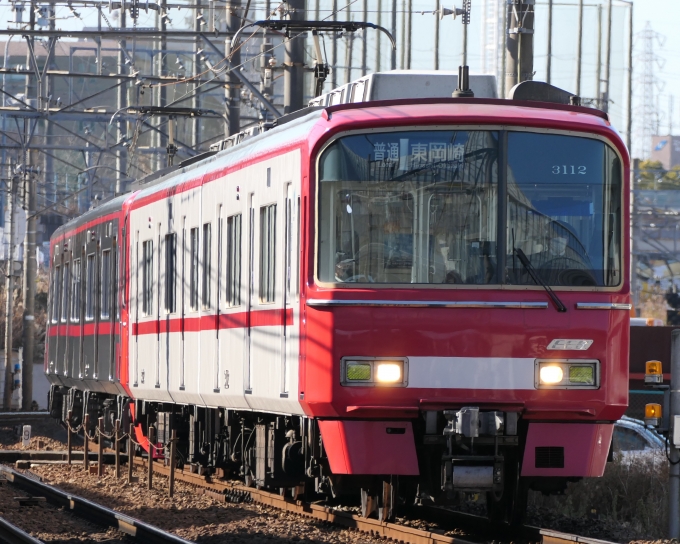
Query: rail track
point(11, 534)
point(88, 510)
point(476, 528)
point(230, 492)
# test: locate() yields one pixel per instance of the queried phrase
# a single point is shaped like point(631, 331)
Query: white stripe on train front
point(471, 373)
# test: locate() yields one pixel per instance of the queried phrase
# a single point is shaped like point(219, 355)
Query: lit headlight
point(550, 374)
point(388, 372)
point(567, 374)
point(374, 371)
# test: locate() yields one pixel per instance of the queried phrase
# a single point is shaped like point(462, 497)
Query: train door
point(134, 301)
point(208, 266)
point(289, 248)
point(56, 283)
point(113, 310)
point(77, 313)
point(232, 334)
point(104, 312)
point(184, 383)
point(250, 298)
point(219, 223)
point(65, 348)
point(170, 341)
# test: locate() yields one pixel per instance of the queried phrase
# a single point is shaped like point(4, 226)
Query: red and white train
point(429, 292)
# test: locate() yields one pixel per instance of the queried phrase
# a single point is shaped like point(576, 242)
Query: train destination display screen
point(422, 207)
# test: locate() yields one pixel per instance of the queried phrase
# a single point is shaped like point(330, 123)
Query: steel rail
point(91, 511)
point(228, 492)
point(13, 535)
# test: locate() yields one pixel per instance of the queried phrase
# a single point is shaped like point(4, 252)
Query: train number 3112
point(568, 169)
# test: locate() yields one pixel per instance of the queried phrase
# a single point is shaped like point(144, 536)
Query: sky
point(662, 16)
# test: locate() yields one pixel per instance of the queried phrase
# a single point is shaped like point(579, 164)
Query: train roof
point(315, 124)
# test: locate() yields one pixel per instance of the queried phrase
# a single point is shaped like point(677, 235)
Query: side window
point(205, 280)
point(89, 288)
point(75, 297)
point(234, 260)
point(65, 293)
point(267, 252)
point(106, 284)
point(56, 289)
point(193, 269)
point(170, 272)
point(147, 277)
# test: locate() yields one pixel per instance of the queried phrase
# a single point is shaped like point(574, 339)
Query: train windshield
point(422, 207)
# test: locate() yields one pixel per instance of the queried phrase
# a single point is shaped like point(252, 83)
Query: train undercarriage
point(461, 453)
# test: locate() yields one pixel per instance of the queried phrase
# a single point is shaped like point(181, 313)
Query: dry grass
point(631, 498)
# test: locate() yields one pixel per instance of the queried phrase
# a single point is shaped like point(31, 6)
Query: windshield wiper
point(532, 272)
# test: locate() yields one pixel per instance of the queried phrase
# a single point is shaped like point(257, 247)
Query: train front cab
point(469, 294)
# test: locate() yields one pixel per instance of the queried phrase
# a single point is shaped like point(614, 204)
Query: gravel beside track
point(51, 524)
point(192, 516)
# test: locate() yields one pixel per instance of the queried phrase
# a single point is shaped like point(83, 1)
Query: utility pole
point(9, 291)
point(334, 49)
point(393, 62)
point(436, 35)
point(464, 60)
point(378, 39)
point(293, 75)
point(629, 102)
point(504, 58)
point(670, 115)
point(232, 89)
point(162, 67)
point(121, 155)
point(409, 34)
point(579, 47)
point(519, 49)
point(598, 69)
point(605, 106)
point(349, 47)
point(196, 98)
point(402, 61)
point(30, 262)
point(364, 41)
point(548, 68)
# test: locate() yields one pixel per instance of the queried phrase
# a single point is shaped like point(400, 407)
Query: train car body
point(432, 291)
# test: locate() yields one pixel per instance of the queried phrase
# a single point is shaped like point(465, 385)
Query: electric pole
point(409, 31)
point(233, 51)
point(519, 49)
point(436, 36)
point(293, 75)
point(629, 102)
point(393, 58)
point(378, 39)
point(364, 40)
point(605, 105)
point(30, 261)
point(121, 155)
point(9, 292)
point(579, 47)
point(548, 68)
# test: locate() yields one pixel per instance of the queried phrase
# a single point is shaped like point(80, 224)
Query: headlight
point(388, 372)
point(551, 374)
point(567, 374)
point(374, 371)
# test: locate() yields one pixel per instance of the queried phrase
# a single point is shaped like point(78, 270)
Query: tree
point(651, 176)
